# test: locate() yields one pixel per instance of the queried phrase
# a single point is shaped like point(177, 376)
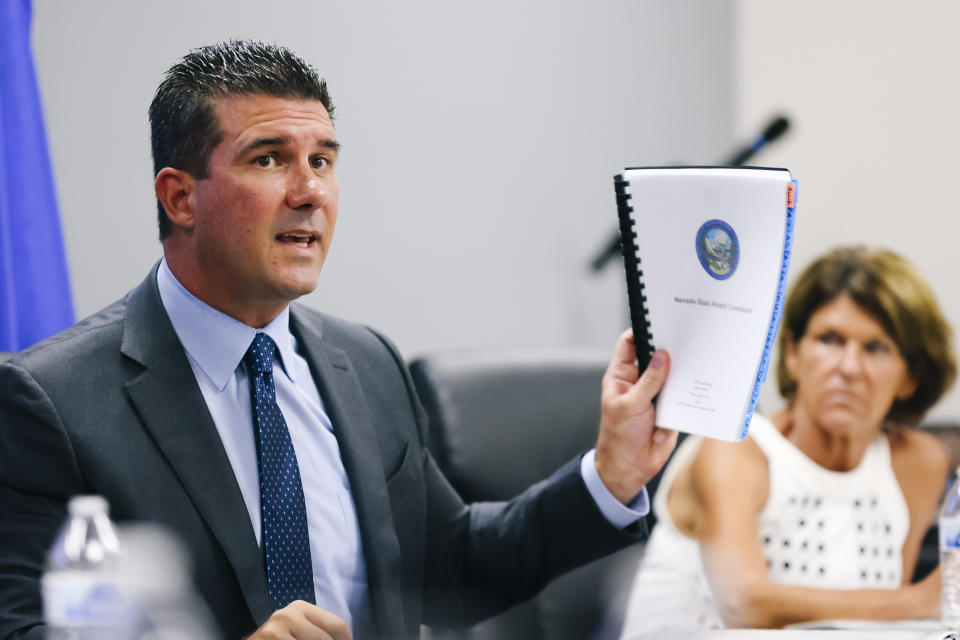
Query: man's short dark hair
point(183, 124)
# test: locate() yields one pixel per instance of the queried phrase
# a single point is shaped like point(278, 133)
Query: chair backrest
point(500, 421)
point(947, 432)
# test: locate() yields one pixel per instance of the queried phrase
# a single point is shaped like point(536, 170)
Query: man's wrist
point(616, 513)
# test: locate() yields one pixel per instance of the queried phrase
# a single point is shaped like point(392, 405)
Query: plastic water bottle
point(82, 595)
point(155, 571)
point(950, 556)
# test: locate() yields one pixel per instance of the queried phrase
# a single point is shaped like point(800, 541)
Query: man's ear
point(173, 188)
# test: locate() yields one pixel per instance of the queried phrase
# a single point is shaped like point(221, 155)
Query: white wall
point(871, 88)
point(480, 140)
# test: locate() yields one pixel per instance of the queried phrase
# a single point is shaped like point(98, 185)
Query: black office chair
point(500, 421)
point(948, 433)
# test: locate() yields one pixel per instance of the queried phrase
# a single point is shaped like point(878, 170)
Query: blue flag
point(35, 297)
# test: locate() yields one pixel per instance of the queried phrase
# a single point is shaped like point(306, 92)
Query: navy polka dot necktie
point(286, 541)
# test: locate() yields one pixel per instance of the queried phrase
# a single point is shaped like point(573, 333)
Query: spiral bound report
point(631, 262)
point(706, 252)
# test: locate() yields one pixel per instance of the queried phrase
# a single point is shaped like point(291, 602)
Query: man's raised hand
point(631, 449)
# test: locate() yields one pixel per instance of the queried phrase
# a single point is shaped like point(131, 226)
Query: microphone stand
point(774, 129)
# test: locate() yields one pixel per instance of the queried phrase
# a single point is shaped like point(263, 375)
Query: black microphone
point(774, 129)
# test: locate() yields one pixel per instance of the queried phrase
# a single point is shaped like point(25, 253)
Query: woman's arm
point(920, 464)
point(730, 483)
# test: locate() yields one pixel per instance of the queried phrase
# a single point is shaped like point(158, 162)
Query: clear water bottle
point(950, 556)
point(82, 592)
point(155, 572)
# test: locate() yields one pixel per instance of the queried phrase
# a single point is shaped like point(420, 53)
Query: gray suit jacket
point(111, 406)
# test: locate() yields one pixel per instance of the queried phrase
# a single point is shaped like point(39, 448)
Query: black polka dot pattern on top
point(803, 552)
point(285, 537)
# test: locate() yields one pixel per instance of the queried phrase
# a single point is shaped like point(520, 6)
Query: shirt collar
point(216, 341)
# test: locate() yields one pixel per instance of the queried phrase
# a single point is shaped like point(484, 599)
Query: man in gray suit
point(284, 446)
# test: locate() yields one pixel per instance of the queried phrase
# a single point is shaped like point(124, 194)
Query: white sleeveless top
point(819, 528)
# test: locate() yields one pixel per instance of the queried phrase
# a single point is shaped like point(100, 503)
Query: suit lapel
point(357, 439)
point(173, 410)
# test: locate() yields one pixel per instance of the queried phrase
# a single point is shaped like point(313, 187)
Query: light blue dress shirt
point(215, 344)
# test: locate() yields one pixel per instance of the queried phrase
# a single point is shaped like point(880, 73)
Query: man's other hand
point(301, 620)
point(630, 447)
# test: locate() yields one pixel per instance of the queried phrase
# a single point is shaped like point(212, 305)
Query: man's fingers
point(621, 373)
point(303, 621)
point(625, 351)
point(623, 364)
point(332, 624)
point(652, 379)
point(663, 436)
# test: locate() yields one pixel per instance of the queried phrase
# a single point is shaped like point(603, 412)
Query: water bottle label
point(83, 598)
point(950, 535)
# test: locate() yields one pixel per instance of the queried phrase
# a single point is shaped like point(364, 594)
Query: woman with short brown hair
point(820, 513)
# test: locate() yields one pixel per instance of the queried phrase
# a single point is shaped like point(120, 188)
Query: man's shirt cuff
point(616, 513)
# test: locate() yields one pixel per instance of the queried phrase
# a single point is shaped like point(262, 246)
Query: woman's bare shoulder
point(914, 446)
point(919, 461)
point(704, 484)
point(722, 469)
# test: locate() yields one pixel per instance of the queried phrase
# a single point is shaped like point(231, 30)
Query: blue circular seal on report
point(718, 249)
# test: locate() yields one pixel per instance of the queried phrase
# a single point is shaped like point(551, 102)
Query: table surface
point(829, 634)
point(838, 630)
point(842, 630)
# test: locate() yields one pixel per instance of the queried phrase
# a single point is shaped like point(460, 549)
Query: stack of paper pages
point(706, 251)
